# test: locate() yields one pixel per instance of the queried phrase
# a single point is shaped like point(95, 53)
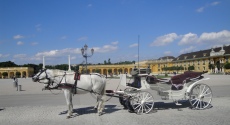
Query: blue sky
point(31, 29)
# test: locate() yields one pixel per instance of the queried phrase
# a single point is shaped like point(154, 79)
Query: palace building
point(16, 71)
point(211, 60)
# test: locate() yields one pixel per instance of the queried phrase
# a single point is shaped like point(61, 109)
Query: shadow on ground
point(90, 110)
point(172, 105)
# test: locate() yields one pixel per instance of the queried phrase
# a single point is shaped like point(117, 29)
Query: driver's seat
point(136, 83)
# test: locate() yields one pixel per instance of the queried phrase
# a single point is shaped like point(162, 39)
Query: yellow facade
point(200, 65)
point(104, 69)
point(11, 71)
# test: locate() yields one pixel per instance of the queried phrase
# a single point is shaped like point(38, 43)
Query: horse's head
point(43, 76)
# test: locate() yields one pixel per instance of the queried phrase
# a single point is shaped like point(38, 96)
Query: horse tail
point(102, 96)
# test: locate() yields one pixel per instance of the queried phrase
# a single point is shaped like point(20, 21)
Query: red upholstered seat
point(179, 80)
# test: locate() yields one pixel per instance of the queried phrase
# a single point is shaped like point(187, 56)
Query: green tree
point(227, 66)
point(120, 70)
point(5, 74)
point(8, 64)
point(18, 74)
point(191, 68)
point(98, 70)
point(109, 71)
point(36, 67)
point(109, 62)
point(211, 66)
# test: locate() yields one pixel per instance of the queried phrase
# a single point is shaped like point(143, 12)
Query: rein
point(44, 70)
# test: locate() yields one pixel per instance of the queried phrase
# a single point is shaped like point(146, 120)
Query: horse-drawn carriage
point(185, 86)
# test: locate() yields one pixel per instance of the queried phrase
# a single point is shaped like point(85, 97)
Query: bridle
point(46, 77)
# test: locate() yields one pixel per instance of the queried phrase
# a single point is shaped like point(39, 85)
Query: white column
point(43, 62)
point(69, 64)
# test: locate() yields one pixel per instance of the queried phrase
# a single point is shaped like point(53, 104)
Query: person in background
point(15, 82)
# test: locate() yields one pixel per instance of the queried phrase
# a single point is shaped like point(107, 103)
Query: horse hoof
point(100, 113)
point(67, 117)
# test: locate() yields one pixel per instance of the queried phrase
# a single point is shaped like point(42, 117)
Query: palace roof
point(218, 51)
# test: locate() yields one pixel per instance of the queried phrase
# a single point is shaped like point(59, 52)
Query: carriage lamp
point(85, 55)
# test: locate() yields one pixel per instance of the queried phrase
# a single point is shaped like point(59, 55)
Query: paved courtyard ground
point(32, 106)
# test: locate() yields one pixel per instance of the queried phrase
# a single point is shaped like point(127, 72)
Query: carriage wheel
point(200, 96)
point(142, 102)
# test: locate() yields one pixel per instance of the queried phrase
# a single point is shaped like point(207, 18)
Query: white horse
point(95, 83)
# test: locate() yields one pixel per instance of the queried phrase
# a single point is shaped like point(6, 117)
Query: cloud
point(201, 9)
point(135, 56)
point(187, 50)
point(133, 45)
point(20, 43)
point(38, 27)
point(115, 43)
point(4, 56)
point(84, 38)
point(105, 48)
point(73, 57)
point(164, 40)
point(20, 56)
point(64, 37)
point(167, 53)
point(18, 37)
point(215, 3)
point(222, 37)
point(89, 5)
point(34, 43)
point(59, 53)
point(188, 39)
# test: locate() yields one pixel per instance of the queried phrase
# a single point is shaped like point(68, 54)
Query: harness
point(64, 85)
point(44, 70)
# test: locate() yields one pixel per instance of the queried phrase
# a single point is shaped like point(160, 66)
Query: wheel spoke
point(137, 106)
point(207, 94)
point(206, 91)
point(200, 96)
point(148, 98)
point(142, 102)
point(202, 90)
point(197, 103)
point(147, 106)
point(201, 104)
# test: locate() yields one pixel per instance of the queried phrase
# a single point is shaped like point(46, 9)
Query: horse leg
point(97, 103)
point(101, 99)
point(68, 97)
point(100, 105)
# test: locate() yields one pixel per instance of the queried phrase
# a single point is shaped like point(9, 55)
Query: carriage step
point(178, 104)
point(109, 91)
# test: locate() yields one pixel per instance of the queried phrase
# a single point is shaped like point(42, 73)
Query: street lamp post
point(85, 55)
